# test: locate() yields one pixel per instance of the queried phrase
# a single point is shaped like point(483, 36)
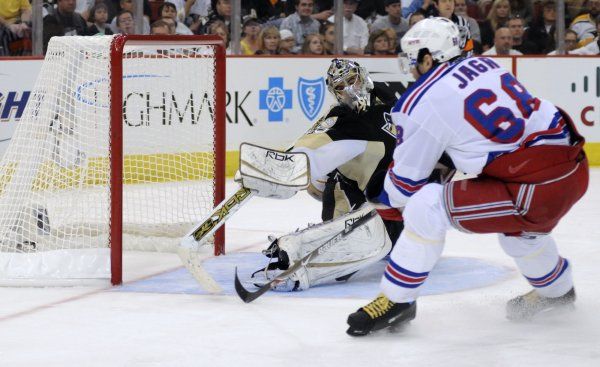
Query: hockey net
point(70, 197)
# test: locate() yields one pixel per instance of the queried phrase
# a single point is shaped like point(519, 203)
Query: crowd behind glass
point(282, 27)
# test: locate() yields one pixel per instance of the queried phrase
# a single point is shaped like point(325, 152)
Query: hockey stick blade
point(193, 263)
point(248, 296)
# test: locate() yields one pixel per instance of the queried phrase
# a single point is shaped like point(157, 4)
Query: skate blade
point(546, 314)
point(399, 328)
point(395, 328)
point(554, 312)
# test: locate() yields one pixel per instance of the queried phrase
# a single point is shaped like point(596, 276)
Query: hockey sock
point(538, 260)
point(419, 247)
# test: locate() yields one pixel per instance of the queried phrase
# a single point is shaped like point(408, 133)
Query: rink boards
point(281, 97)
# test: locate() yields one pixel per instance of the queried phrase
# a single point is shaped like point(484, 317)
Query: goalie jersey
point(349, 154)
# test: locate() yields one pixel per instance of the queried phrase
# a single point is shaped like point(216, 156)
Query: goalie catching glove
point(272, 173)
point(365, 245)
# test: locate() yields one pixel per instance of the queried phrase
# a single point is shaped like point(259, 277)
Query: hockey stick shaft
point(189, 248)
point(198, 235)
point(248, 297)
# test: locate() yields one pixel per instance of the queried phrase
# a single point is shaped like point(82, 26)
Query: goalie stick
point(248, 296)
point(193, 241)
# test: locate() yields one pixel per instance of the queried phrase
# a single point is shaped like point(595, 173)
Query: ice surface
point(176, 325)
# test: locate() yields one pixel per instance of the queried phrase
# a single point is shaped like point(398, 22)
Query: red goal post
point(116, 117)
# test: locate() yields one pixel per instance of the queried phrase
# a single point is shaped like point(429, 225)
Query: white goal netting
point(55, 193)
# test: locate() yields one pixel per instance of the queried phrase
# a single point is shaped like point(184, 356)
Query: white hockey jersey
point(472, 109)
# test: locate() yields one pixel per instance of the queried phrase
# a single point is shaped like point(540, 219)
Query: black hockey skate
point(527, 306)
point(380, 314)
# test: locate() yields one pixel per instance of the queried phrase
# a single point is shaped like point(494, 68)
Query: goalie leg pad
point(365, 245)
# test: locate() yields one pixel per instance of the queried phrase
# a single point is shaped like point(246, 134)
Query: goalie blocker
point(363, 246)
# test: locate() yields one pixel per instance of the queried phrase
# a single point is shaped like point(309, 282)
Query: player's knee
point(424, 214)
point(519, 247)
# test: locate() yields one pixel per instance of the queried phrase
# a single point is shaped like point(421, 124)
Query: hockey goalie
point(348, 152)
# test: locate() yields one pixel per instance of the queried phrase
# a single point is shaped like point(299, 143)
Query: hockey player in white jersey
point(529, 162)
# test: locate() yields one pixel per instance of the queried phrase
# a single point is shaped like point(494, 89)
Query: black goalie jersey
point(349, 154)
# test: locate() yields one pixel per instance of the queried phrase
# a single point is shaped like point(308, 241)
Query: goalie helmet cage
point(75, 190)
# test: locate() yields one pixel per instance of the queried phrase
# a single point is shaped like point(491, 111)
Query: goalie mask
point(349, 83)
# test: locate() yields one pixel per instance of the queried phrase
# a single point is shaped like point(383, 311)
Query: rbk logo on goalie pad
point(311, 94)
point(279, 156)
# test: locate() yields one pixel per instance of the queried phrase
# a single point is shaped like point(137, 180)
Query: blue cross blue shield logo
point(311, 94)
point(275, 99)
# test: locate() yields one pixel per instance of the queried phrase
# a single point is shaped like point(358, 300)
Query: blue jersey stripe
point(422, 92)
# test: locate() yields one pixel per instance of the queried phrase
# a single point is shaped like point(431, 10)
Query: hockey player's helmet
point(350, 83)
point(438, 35)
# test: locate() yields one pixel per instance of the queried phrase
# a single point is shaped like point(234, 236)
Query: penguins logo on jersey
point(389, 127)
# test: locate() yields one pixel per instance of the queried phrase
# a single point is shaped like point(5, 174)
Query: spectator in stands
point(15, 17)
point(393, 37)
point(584, 24)
point(313, 45)
point(416, 6)
point(63, 21)
point(519, 42)
point(592, 48)
point(356, 32)
point(370, 9)
point(220, 10)
point(502, 44)
point(84, 7)
point(268, 41)
point(570, 42)
point(179, 9)
point(393, 19)
point(15, 22)
point(273, 11)
point(496, 18)
point(198, 8)
point(415, 17)
point(445, 9)
point(522, 9)
point(301, 23)
point(327, 30)
point(379, 43)
point(220, 29)
point(249, 42)
point(129, 5)
point(125, 22)
point(575, 7)
point(323, 9)
point(172, 25)
point(195, 13)
point(541, 32)
point(112, 6)
point(287, 43)
point(460, 8)
point(98, 18)
point(168, 10)
point(160, 27)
